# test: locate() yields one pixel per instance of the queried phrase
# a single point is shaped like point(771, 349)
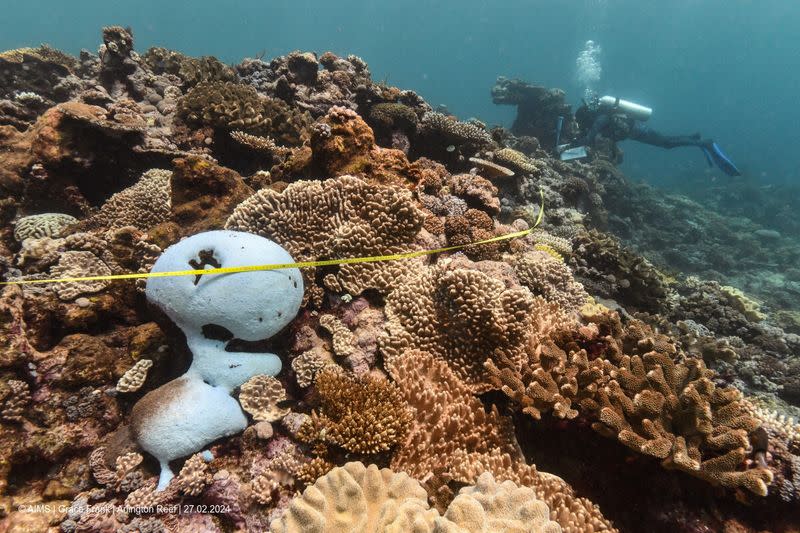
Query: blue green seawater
point(729, 69)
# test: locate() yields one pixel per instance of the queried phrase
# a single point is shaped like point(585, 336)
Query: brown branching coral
point(453, 436)
point(460, 316)
point(337, 218)
point(361, 415)
point(632, 383)
point(342, 144)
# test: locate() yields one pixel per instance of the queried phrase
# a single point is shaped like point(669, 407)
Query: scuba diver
point(619, 120)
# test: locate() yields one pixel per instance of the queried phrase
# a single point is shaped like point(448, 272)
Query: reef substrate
point(559, 382)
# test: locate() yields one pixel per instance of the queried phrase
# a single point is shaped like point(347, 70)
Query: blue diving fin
point(721, 160)
point(708, 156)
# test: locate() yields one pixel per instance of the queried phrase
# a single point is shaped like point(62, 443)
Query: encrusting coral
point(134, 377)
point(261, 395)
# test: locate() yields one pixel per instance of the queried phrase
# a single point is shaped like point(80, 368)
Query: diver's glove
point(715, 156)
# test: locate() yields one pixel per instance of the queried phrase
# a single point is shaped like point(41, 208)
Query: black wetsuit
point(617, 126)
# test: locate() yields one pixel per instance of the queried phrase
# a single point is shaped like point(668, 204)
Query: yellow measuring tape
point(302, 264)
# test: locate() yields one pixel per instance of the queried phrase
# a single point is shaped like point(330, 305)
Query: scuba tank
point(633, 110)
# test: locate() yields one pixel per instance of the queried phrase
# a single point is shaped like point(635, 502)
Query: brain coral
point(44, 225)
point(337, 218)
point(366, 499)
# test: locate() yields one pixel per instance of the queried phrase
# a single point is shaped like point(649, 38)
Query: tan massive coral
point(492, 506)
point(359, 498)
point(43, 225)
point(141, 205)
point(366, 499)
point(337, 218)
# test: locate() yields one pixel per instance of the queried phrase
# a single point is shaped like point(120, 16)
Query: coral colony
point(555, 382)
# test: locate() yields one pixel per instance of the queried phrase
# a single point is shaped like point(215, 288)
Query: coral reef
point(630, 364)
